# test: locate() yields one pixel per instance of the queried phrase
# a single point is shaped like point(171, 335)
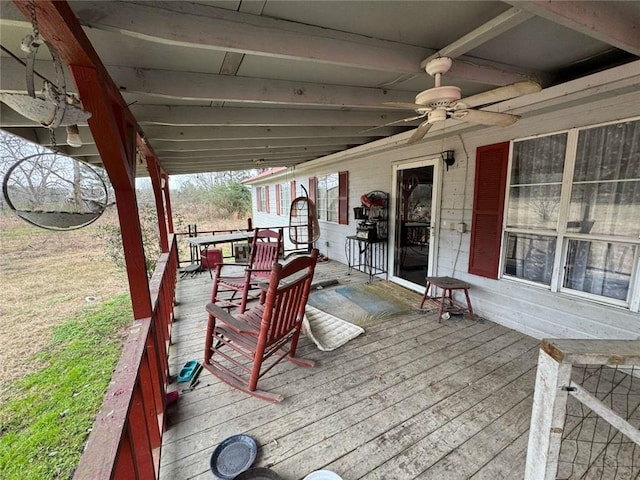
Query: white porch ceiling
point(216, 85)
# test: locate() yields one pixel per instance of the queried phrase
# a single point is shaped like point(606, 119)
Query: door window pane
point(601, 268)
point(530, 257)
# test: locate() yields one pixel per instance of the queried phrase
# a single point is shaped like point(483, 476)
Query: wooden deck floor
point(411, 398)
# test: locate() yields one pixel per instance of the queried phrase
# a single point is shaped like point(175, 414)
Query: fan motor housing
point(439, 96)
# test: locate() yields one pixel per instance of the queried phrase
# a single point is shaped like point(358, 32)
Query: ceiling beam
point(189, 165)
point(253, 153)
point(247, 117)
point(168, 134)
point(488, 31)
point(219, 88)
point(225, 88)
point(600, 20)
point(220, 29)
point(211, 116)
point(203, 168)
point(207, 27)
point(215, 145)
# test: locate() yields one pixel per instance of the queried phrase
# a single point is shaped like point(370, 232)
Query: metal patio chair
point(241, 348)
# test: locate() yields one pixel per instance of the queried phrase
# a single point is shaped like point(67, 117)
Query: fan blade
point(420, 132)
point(499, 94)
point(485, 118)
point(407, 105)
point(402, 120)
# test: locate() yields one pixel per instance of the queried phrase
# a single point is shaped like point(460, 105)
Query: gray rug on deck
point(358, 303)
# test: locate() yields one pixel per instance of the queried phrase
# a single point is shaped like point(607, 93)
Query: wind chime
point(49, 189)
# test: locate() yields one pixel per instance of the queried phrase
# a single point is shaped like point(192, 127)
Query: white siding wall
point(531, 310)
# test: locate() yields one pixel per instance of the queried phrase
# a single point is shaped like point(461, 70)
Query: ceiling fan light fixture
point(439, 96)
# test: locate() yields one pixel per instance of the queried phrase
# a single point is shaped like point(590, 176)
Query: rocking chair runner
point(265, 250)
point(268, 331)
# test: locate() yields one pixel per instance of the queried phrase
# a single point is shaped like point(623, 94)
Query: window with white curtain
point(327, 197)
point(285, 198)
point(573, 212)
point(261, 201)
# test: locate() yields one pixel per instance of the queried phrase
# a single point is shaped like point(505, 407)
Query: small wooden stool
point(447, 284)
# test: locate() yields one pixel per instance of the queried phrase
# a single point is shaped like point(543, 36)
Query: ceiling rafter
point(208, 27)
point(194, 116)
point(208, 116)
point(488, 31)
point(224, 88)
point(230, 133)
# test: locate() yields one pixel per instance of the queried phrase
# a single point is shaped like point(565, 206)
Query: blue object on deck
point(189, 370)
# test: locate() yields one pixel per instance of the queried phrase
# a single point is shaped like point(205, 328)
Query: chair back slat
point(265, 250)
point(286, 298)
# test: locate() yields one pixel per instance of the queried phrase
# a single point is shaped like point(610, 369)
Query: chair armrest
point(232, 264)
point(228, 319)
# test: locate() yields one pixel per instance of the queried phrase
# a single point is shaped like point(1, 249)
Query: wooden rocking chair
point(265, 250)
point(237, 347)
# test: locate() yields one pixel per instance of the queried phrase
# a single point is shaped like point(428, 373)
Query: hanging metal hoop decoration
point(55, 192)
point(56, 108)
point(304, 228)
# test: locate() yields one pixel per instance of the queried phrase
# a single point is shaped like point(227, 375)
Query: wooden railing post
point(547, 418)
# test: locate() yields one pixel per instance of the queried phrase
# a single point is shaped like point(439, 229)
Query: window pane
point(611, 152)
point(539, 160)
point(611, 208)
point(534, 206)
point(285, 198)
point(327, 198)
point(530, 257)
point(601, 268)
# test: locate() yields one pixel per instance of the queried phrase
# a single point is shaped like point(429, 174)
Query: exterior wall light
point(448, 158)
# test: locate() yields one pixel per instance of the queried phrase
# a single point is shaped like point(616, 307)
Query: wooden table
point(207, 240)
point(448, 285)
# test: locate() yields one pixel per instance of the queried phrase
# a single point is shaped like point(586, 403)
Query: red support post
point(167, 199)
point(156, 183)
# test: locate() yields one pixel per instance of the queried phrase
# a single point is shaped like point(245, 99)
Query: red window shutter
point(266, 199)
point(313, 183)
point(258, 195)
point(488, 208)
point(278, 195)
point(343, 198)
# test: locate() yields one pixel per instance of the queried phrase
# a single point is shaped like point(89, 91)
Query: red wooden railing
point(127, 434)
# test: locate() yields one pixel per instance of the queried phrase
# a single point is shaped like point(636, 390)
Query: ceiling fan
point(442, 102)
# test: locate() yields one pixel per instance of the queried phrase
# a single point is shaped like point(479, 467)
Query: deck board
point(410, 398)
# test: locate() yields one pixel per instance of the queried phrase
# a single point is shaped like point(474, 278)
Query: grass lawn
point(44, 425)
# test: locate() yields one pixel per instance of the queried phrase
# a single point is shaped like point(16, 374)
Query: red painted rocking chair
point(239, 349)
point(265, 250)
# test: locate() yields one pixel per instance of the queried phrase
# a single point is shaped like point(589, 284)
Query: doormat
point(362, 303)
